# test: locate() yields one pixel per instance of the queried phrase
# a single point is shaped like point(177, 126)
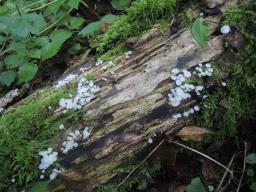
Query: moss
point(114, 53)
point(190, 11)
point(90, 76)
point(226, 107)
point(141, 16)
point(23, 132)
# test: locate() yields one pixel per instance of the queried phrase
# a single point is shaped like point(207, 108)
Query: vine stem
point(43, 6)
point(30, 5)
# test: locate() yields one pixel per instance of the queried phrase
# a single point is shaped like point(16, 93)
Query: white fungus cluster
point(86, 133)
point(73, 138)
point(85, 93)
point(183, 90)
point(1, 110)
point(128, 54)
point(225, 29)
point(71, 141)
point(187, 113)
point(54, 173)
point(204, 70)
point(65, 81)
point(61, 127)
point(48, 158)
point(98, 63)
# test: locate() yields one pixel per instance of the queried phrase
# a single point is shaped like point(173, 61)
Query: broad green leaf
point(75, 22)
point(251, 158)
point(27, 72)
point(54, 7)
point(250, 172)
point(196, 186)
point(13, 61)
point(109, 18)
point(34, 53)
point(200, 31)
point(2, 39)
point(91, 29)
point(36, 22)
point(7, 77)
point(74, 49)
point(20, 48)
point(73, 3)
point(120, 4)
point(40, 186)
point(253, 186)
point(38, 42)
point(57, 37)
point(22, 26)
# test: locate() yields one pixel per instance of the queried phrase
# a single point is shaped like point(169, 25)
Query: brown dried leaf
point(193, 133)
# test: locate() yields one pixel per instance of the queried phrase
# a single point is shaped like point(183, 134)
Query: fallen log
point(132, 106)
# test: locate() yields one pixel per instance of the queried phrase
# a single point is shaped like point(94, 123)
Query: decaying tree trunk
point(132, 105)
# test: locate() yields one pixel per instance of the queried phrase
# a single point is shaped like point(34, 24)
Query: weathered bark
point(132, 106)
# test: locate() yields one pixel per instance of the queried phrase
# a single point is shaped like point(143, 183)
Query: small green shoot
point(200, 31)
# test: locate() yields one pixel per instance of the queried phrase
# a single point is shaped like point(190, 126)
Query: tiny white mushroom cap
point(150, 140)
point(225, 29)
point(175, 71)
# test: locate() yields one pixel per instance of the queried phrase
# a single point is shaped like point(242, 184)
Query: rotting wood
point(131, 107)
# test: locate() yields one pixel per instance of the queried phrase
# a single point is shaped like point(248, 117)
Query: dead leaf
point(193, 133)
point(104, 26)
point(180, 188)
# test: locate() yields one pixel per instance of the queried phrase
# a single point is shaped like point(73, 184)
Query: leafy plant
point(40, 186)
point(95, 27)
point(120, 4)
point(32, 32)
point(137, 183)
point(196, 185)
point(200, 31)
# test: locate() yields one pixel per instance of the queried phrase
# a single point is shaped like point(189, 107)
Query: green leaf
point(57, 37)
point(90, 29)
point(74, 49)
point(75, 22)
point(196, 186)
point(109, 18)
point(2, 39)
point(200, 31)
point(54, 7)
point(38, 42)
point(7, 77)
point(36, 22)
point(40, 186)
point(250, 172)
point(120, 4)
point(13, 61)
point(251, 158)
point(253, 186)
point(73, 3)
point(27, 72)
point(34, 53)
point(22, 26)
point(20, 48)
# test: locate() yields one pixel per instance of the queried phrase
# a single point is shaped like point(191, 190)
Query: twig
point(225, 174)
point(244, 165)
point(141, 163)
point(206, 156)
